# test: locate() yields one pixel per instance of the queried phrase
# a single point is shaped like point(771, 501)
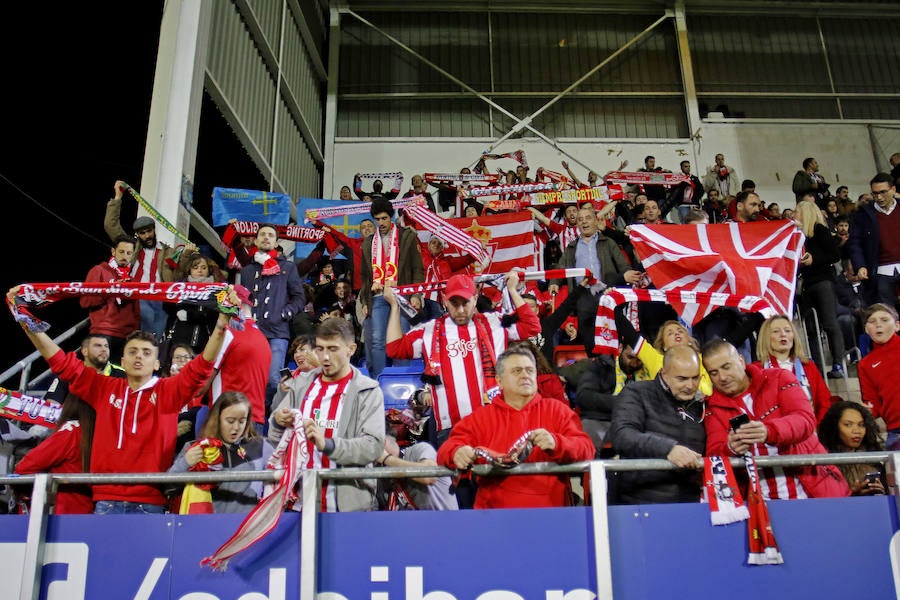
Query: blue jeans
point(121, 507)
point(375, 335)
point(279, 348)
point(153, 317)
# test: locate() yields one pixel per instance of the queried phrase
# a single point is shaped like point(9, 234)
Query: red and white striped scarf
point(763, 547)
point(358, 208)
point(146, 267)
point(447, 233)
point(606, 339)
point(384, 267)
point(291, 455)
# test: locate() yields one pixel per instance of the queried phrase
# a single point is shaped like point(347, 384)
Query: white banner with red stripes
point(606, 338)
point(508, 239)
point(447, 232)
point(744, 259)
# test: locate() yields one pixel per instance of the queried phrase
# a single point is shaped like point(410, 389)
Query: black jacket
point(647, 423)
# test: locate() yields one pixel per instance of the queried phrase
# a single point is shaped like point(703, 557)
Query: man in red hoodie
point(527, 428)
point(137, 416)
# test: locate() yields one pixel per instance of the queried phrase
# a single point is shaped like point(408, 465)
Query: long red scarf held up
point(41, 294)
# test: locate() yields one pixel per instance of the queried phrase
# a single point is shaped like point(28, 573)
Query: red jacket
point(61, 453)
point(878, 382)
point(781, 404)
point(135, 430)
point(818, 389)
point(497, 426)
point(115, 317)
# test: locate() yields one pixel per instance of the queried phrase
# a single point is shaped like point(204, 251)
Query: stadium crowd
point(287, 367)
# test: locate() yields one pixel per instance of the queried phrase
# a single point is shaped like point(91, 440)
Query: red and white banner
point(606, 338)
point(645, 177)
point(743, 259)
point(508, 237)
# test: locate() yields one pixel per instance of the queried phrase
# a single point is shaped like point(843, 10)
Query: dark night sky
point(78, 82)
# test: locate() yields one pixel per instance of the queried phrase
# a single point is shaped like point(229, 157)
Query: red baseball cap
point(462, 286)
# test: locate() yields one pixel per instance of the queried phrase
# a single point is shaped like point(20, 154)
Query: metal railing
point(24, 365)
point(44, 487)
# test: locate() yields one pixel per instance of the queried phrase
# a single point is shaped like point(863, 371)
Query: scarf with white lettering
point(291, 455)
point(505, 190)
point(384, 260)
point(32, 295)
point(460, 177)
point(28, 409)
point(432, 372)
point(721, 492)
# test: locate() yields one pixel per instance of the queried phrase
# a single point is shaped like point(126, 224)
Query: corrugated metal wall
point(243, 65)
point(749, 66)
point(521, 61)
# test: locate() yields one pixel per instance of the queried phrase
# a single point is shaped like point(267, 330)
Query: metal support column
point(173, 130)
point(331, 101)
point(691, 106)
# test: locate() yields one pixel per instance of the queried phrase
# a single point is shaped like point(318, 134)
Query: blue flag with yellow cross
point(250, 205)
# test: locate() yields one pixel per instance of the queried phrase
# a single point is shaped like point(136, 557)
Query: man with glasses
point(662, 418)
point(519, 425)
point(874, 244)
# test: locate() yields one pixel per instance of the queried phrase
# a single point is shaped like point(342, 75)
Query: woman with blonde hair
point(817, 277)
point(778, 346)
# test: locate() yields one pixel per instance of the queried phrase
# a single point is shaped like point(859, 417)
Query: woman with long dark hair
point(850, 427)
point(67, 450)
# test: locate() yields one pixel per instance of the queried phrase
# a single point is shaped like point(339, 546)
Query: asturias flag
point(250, 205)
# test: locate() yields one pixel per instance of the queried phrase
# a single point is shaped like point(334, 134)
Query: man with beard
point(95, 353)
point(154, 261)
point(114, 318)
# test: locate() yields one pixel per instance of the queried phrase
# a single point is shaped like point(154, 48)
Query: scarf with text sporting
point(294, 233)
point(432, 372)
point(358, 208)
point(447, 233)
point(763, 547)
point(291, 456)
point(384, 260)
point(28, 409)
point(645, 178)
point(461, 177)
point(32, 295)
point(721, 492)
point(606, 339)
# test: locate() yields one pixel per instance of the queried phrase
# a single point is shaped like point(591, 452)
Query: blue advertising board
point(832, 548)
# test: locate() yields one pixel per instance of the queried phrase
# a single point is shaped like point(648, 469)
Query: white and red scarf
point(721, 492)
point(269, 261)
point(358, 208)
point(606, 338)
point(291, 455)
point(384, 260)
point(763, 547)
point(446, 232)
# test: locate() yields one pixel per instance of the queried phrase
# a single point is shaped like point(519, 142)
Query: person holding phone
point(764, 412)
point(850, 427)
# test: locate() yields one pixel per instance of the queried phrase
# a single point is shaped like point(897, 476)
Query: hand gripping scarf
point(291, 455)
point(517, 453)
point(196, 498)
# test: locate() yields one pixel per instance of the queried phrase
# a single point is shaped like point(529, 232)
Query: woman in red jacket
point(778, 346)
point(67, 450)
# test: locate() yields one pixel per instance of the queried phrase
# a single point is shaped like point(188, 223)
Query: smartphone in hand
point(739, 420)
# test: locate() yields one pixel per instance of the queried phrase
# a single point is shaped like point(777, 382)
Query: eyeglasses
point(181, 357)
point(881, 192)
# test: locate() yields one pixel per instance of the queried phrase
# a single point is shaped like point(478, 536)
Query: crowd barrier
point(832, 548)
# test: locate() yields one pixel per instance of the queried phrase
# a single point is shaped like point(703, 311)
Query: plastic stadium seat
point(567, 354)
point(398, 384)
